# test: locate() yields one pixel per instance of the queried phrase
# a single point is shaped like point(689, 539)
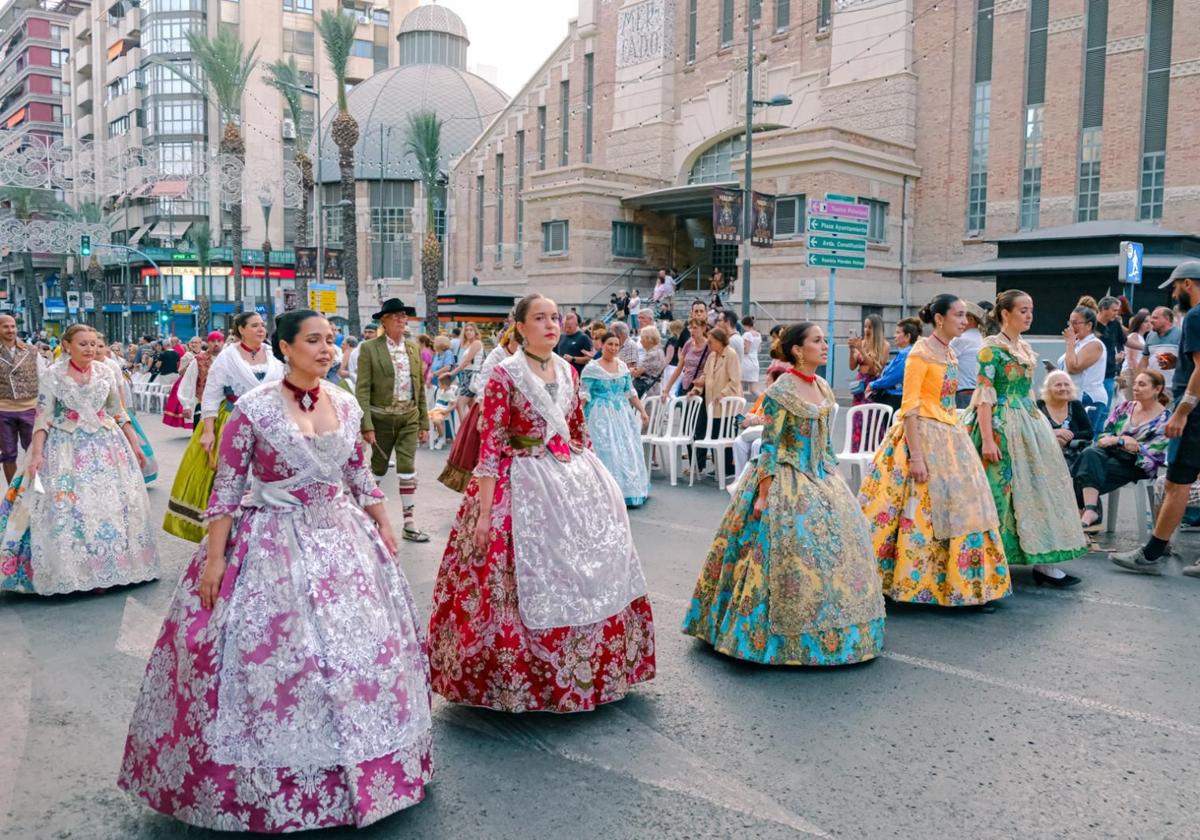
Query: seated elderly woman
point(1131, 447)
point(1060, 403)
point(652, 363)
point(745, 448)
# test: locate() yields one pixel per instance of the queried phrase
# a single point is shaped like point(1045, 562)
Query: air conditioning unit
point(289, 129)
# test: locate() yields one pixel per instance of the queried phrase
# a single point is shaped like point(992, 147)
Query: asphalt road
point(1063, 714)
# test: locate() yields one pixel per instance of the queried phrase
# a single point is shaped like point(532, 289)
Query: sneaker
point(1135, 561)
point(1193, 570)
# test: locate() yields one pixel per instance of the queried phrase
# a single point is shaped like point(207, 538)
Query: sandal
point(415, 535)
point(1092, 527)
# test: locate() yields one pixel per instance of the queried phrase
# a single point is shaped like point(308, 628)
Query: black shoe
point(1043, 579)
point(987, 609)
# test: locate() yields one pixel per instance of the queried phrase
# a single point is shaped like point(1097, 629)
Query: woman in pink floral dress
point(289, 687)
point(540, 602)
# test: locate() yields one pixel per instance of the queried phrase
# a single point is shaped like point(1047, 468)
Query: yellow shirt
point(926, 384)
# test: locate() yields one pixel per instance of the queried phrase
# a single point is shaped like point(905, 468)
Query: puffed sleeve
point(985, 381)
point(233, 465)
point(771, 435)
point(915, 371)
point(358, 477)
point(113, 404)
point(47, 399)
point(494, 419)
point(577, 424)
point(187, 386)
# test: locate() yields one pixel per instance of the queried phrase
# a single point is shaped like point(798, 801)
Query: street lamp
point(266, 202)
point(747, 202)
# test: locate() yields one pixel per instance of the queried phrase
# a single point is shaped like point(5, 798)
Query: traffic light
point(85, 246)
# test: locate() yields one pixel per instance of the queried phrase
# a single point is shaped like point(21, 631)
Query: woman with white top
point(1084, 360)
point(239, 368)
point(751, 344)
point(470, 362)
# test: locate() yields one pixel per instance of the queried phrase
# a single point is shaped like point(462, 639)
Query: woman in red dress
point(540, 602)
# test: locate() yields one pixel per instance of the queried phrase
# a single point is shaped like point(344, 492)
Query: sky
point(513, 37)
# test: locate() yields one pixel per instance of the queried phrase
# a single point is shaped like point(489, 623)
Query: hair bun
point(926, 315)
point(777, 349)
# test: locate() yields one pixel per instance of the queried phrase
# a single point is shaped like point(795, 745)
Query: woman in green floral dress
point(1028, 476)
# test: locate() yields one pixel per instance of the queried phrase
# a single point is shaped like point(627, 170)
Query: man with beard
point(1183, 428)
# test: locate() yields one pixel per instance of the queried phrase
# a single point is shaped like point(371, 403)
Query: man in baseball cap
point(1183, 428)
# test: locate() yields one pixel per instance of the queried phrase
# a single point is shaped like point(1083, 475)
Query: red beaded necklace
point(810, 378)
point(71, 363)
point(306, 399)
point(253, 354)
point(939, 340)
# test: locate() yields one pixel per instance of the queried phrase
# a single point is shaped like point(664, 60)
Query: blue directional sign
point(1131, 263)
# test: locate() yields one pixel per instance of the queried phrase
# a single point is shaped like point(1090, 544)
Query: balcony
point(85, 127)
point(126, 64)
point(82, 62)
point(130, 25)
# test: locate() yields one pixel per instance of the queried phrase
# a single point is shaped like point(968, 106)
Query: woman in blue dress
point(615, 417)
point(791, 577)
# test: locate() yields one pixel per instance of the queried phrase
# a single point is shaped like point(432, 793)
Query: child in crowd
point(444, 396)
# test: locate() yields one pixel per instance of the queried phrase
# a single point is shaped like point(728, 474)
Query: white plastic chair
point(876, 418)
point(726, 434)
point(678, 430)
point(1143, 496)
point(654, 410)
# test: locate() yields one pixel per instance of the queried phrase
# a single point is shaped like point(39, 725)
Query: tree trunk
point(232, 144)
point(345, 135)
point(431, 269)
point(33, 297)
point(306, 181)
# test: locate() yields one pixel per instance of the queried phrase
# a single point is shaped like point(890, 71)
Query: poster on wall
point(762, 233)
point(333, 264)
point(306, 263)
point(727, 215)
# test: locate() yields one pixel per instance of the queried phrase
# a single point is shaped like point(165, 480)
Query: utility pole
point(747, 197)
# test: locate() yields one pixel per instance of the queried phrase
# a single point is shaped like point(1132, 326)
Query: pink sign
point(842, 209)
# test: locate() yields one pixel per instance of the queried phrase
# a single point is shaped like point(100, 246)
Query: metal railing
point(621, 281)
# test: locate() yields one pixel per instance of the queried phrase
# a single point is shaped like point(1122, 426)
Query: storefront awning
point(169, 229)
point(690, 200)
point(137, 237)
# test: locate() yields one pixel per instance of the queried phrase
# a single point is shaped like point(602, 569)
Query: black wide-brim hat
point(391, 306)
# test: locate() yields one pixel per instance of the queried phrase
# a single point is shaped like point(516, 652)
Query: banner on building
point(306, 263)
point(140, 294)
point(727, 215)
point(288, 300)
point(762, 232)
point(333, 264)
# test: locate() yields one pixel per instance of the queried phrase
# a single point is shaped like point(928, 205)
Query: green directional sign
point(851, 227)
point(835, 243)
point(816, 260)
point(848, 199)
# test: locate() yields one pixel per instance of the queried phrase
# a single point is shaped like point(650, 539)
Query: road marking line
point(1094, 599)
point(1061, 698)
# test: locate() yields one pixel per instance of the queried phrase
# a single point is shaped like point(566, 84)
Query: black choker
point(306, 399)
point(543, 362)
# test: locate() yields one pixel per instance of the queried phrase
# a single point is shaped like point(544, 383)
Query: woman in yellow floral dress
point(789, 579)
point(934, 524)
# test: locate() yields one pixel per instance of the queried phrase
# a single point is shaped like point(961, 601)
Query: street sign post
point(837, 238)
point(1129, 269)
point(322, 297)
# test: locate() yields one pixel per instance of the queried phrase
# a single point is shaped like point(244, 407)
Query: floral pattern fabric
point(797, 586)
point(1030, 481)
point(482, 653)
point(301, 699)
point(1151, 436)
point(90, 528)
point(965, 566)
point(616, 429)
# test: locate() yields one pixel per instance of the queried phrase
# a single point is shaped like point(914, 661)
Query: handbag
point(643, 383)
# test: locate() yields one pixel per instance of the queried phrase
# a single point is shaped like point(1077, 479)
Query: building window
point(479, 219)
point(554, 238)
point(499, 208)
point(1089, 176)
point(1154, 126)
point(297, 41)
point(541, 129)
point(824, 15)
point(726, 23)
point(118, 127)
point(876, 220)
point(382, 17)
point(627, 240)
point(589, 69)
point(783, 15)
point(518, 251)
point(362, 48)
point(715, 163)
point(789, 216)
point(692, 31)
point(178, 118)
point(298, 6)
point(391, 233)
point(978, 179)
point(1031, 174)
point(117, 87)
point(564, 145)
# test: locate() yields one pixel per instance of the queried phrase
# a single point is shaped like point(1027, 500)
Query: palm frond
point(26, 202)
point(337, 33)
point(227, 66)
point(423, 140)
point(285, 76)
point(201, 236)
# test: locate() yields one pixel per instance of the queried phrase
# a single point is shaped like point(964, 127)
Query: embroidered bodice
point(266, 461)
point(597, 385)
point(1006, 373)
point(797, 432)
point(68, 405)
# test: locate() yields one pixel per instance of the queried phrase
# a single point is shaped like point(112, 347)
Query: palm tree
point(227, 67)
point(286, 77)
point(202, 244)
point(26, 203)
point(337, 33)
point(424, 142)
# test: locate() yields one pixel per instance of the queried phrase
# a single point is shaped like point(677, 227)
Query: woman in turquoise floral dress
point(614, 418)
point(1028, 476)
point(791, 577)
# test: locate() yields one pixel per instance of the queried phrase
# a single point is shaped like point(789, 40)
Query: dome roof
point(465, 103)
point(433, 18)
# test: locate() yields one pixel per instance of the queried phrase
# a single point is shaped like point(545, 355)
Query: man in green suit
point(391, 391)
